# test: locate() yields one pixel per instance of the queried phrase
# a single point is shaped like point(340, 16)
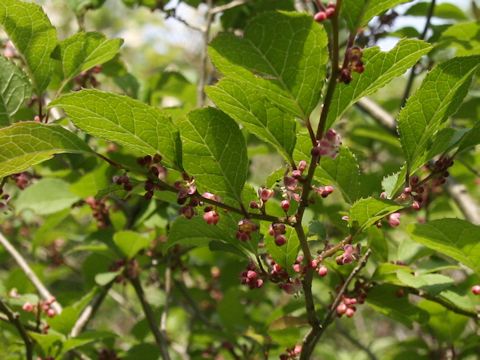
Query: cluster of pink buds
point(291, 353)
point(346, 307)
point(277, 273)
point(45, 306)
point(476, 289)
point(100, 211)
point(264, 194)
point(298, 265)
point(22, 180)
point(394, 219)
point(211, 215)
point(124, 181)
point(323, 191)
point(292, 286)
point(278, 231)
point(325, 12)
point(251, 277)
point(352, 62)
point(328, 145)
point(3, 199)
point(350, 253)
point(321, 269)
point(245, 229)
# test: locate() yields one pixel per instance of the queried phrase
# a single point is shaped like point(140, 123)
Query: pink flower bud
point(345, 218)
point(330, 12)
point(251, 274)
point(254, 205)
point(265, 194)
point(51, 313)
point(416, 205)
point(242, 236)
point(394, 219)
point(341, 309)
point(383, 195)
point(297, 268)
point(320, 16)
point(285, 204)
point(296, 174)
point(259, 283)
point(350, 312)
point(27, 307)
point(211, 217)
point(302, 165)
point(314, 263)
point(322, 271)
point(476, 290)
point(280, 240)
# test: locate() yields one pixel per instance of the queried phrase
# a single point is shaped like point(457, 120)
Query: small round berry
point(320, 16)
point(280, 240)
point(51, 313)
point(297, 268)
point(476, 290)
point(251, 274)
point(322, 271)
point(285, 204)
point(330, 12)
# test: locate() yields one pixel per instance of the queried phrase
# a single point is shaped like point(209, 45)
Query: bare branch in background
point(27, 270)
point(459, 193)
point(203, 75)
point(230, 5)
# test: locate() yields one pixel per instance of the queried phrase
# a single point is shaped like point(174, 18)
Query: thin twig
point(230, 5)
point(204, 73)
point(447, 304)
point(459, 193)
point(167, 290)
point(316, 333)
point(90, 310)
point(42, 290)
point(160, 340)
point(14, 319)
point(422, 36)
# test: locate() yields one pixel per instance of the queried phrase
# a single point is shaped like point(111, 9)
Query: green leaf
point(380, 68)
point(358, 13)
point(103, 279)
point(139, 127)
point(366, 212)
point(249, 108)
point(470, 139)
point(85, 50)
point(432, 284)
point(214, 152)
point(47, 196)
point(463, 37)
point(15, 88)
point(439, 96)
point(28, 143)
point(378, 243)
point(34, 37)
point(130, 242)
point(282, 55)
point(455, 238)
point(445, 325)
point(284, 255)
point(442, 11)
point(196, 232)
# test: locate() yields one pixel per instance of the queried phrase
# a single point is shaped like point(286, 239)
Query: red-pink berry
point(285, 204)
point(476, 290)
point(350, 312)
point(322, 271)
point(341, 309)
point(211, 217)
point(320, 16)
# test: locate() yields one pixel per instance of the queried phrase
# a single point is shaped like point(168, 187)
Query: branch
point(203, 75)
point(459, 193)
point(22, 263)
point(230, 5)
point(411, 78)
point(316, 333)
point(446, 304)
point(14, 319)
point(150, 317)
point(90, 310)
point(168, 289)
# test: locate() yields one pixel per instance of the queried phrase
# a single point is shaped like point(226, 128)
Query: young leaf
point(15, 88)
point(455, 238)
point(430, 283)
point(442, 11)
point(256, 114)
point(34, 37)
point(47, 196)
point(366, 212)
point(286, 254)
point(358, 13)
point(83, 51)
point(462, 36)
point(28, 143)
point(130, 242)
point(439, 96)
point(144, 129)
point(214, 152)
point(380, 68)
point(282, 55)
